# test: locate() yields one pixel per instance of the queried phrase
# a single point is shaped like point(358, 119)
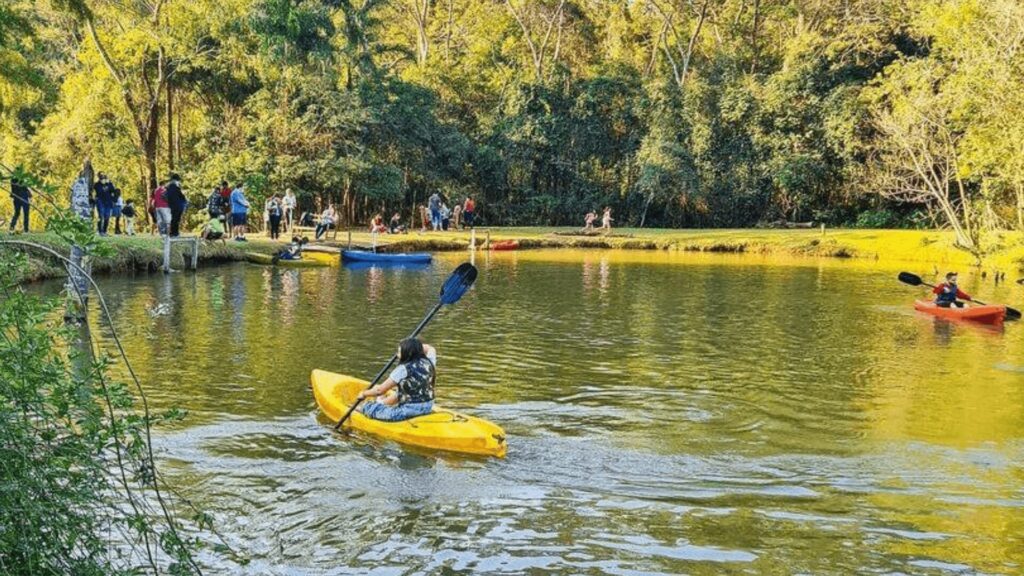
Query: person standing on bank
point(161, 210)
point(20, 195)
point(104, 203)
point(289, 202)
point(469, 211)
point(129, 218)
point(176, 201)
point(274, 212)
point(239, 213)
point(435, 211)
point(116, 212)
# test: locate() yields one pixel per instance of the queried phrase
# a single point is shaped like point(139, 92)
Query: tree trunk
point(753, 35)
point(647, 204)
point(170, 127)
point(1020, 206)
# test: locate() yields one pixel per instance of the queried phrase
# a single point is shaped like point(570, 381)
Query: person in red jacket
point(947, 293)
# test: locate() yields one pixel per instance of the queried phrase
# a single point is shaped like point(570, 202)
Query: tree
point(917, 156)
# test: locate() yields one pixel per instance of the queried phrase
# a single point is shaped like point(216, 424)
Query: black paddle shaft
point(394, 357)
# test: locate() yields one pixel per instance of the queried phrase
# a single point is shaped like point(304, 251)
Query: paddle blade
point(908, 278)
point(1012, 313)
point(458, 283)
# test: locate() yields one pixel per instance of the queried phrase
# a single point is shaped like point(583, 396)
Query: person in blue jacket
point(105, 196)
point(20, 195)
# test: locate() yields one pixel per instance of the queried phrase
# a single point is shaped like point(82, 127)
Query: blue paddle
point(454, 287)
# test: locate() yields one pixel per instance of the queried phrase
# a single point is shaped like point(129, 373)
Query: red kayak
point(505, 245)
point(988, 314)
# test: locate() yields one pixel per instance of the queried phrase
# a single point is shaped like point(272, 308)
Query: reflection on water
point(666, 413)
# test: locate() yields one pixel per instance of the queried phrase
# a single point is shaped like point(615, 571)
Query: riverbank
point(920, 247)
point(143, 253)
point(929, 247)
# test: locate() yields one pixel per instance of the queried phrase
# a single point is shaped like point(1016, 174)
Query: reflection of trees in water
point(289, 296)
point(605, 274)
point(238, 306)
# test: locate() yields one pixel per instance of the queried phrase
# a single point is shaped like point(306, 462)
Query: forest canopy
point(673, 112)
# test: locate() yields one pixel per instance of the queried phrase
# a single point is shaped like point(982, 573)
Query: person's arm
point(963, 295)
point(377, 390)
point(939, 289)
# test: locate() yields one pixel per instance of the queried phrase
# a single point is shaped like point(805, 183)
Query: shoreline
point(143, 253)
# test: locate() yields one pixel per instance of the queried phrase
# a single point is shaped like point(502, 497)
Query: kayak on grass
point(366, 256)
point(987, 314)
point(505, 245)
point(441, 429)
point(305, 262)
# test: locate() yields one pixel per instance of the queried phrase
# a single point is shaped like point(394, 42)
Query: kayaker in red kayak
point(414, 379)
point(947, 293)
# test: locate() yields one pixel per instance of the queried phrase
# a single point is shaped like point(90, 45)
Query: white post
point(195, 253)
point(373, 236)
point(472, 240)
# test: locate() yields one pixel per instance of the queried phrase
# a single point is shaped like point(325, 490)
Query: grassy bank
point(141, 253)
point(922, 247)
point(912, 246)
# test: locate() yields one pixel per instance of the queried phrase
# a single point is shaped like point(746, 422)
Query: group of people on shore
point(227, 209)
point(591, 217)
point(437, 216)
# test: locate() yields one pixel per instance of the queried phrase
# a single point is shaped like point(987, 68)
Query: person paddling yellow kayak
point(414, 381)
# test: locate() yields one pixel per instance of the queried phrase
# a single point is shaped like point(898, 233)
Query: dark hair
point(174, 176)
point(410, 349)
point(223, 182)
point(950, 275)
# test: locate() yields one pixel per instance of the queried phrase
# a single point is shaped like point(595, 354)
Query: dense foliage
point(79, 491)
point(673, 112)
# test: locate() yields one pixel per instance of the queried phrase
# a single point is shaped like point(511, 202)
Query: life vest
point(418, 384)
point(947, 297)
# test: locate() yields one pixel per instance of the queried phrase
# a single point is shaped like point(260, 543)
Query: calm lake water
point(666, 414)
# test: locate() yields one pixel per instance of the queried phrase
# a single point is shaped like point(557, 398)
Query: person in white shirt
point(288, 203)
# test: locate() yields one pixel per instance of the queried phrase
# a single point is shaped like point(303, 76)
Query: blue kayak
point(415, 266)
point(365, 256)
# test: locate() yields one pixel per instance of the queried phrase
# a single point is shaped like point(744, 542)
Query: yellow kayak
point(441, 429)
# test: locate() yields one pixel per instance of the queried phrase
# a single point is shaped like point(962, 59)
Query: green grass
point(1005, 249)
point(935, 248)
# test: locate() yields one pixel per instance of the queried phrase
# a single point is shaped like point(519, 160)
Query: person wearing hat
point(947, 294)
